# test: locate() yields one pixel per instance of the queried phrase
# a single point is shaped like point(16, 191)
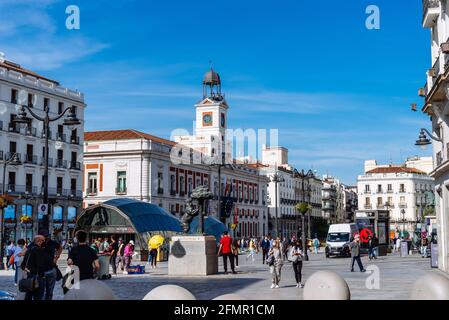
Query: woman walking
point(275, 255)
point(295, 257)
point(252, 249)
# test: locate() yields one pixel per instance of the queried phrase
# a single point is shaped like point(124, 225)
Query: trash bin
point(103, 273)
point(434, 255)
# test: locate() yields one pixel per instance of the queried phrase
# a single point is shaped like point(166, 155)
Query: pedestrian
point(33, 265)
point(278, 261)
point(235, 252)
point(373, 242)
point(251, 249)
point(152, 256)
point(296, 256)
point(9, 255)
point(355, 253)
point(226, 251)
point(19, 253)
point(120, 260)
point(128, 253)
point(113, 250)
point(84, 258)
point(265, 244)
point(424, 244)
point(398, 244)
point(94, 245)
point(53, 251)
point(316, 244)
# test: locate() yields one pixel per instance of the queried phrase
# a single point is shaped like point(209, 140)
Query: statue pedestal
point(193, 256)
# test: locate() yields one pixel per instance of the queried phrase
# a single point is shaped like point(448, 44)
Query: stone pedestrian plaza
point(252, 281)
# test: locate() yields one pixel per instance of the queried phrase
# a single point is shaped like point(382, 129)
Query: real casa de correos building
point(133, 164)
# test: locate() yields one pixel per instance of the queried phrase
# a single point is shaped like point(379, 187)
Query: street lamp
point(403, 221)
point(423, 141)
point(276, 178)
point(70, 121)
point(14, 160)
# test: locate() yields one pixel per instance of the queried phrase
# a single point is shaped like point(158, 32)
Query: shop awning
point(141, 216)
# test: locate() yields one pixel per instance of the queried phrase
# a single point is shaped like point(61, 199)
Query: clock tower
point(211, 120)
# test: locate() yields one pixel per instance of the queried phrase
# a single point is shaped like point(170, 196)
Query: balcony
point(43, 134)
point(13, 127)
point(61, 136)
point(30, 131)
point(368, 206)
point(9, 155)
point(120, 190)
point(30, 159)
point(92, 191)
point(182, 193)
point(439, 159)
point(76, 193)
point(173, 192)
point(74, 140)
point(60, 163)
point(390, 191)
point(402, 205)
point(75, 165)
point(431, 11)
point(160, 191)
point(367, 192)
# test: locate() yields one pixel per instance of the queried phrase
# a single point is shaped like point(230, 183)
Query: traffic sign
point(43, 209)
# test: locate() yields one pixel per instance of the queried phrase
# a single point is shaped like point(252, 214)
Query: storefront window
point(71, 215)
point(57, 214)
point(10, 213)
point(27, 210)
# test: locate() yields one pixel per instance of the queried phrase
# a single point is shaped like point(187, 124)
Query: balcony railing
point(92, 191)
point(74, 140)
point(9, 155)
point(43, 134)
point(172, 192)
point(29, 158)
point(61, 136)
point(60, 163)
point(30, 131)
point(430, 11)
point(368, 206)
point(75, 165)
point(439, 159)
point(402, 205)
point(120, 190)
point(13, 127)
point(160, 191)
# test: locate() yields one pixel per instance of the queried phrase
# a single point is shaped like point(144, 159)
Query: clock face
point(207, 119)
point(223, 120)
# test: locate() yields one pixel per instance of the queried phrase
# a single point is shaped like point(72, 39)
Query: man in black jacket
point(34, 265)
point(373, 244)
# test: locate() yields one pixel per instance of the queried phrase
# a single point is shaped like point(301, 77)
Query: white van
point(338, 239)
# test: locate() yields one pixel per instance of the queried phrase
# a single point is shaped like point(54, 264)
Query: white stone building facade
point(436, 106)
point(401, 189)
point(24, 182)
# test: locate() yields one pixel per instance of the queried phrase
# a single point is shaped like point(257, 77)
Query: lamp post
point(13, 160)
point(27, 197)
point(220, 164)
point(276, 178)
point(403, 221)
point(71, 121)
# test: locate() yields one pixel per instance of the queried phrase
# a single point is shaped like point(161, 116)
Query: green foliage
point(302, 207)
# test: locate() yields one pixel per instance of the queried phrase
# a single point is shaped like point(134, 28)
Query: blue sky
point(338, 92)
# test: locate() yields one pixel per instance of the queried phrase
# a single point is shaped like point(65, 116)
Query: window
point(367, 201)
point(172, 184)
point(190, 185)
point(73, 186)
point(121, 181)
point(390, 201)
point(367, 188)
point(92, 183)
point(379, 201)
point(60, 107)
point(14, 96)
point(401, 187)
point(46, 103)
point(59, 185)
point(181, 185)
point(31, 98)
point(389, 187)
point(160, 181)
point(12, 181)
point(57, 214)
point(379, 188)
point(402, 201)
point(29, 183)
